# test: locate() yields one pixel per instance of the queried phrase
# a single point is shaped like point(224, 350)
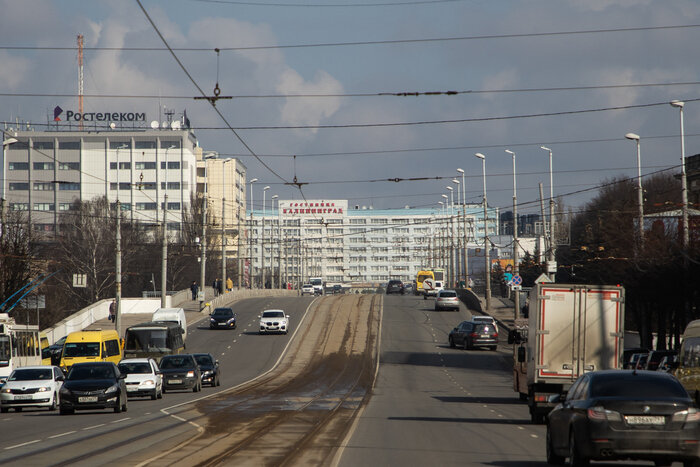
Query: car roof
point(36, 367)
point(202, 353)
point(135, 360)
point(274, 309)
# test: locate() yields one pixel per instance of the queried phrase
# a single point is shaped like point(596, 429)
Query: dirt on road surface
point(299, 413)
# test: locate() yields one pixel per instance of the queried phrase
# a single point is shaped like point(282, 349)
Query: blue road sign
point(517, 280)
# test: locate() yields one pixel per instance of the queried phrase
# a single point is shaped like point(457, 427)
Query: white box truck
point(571, 329)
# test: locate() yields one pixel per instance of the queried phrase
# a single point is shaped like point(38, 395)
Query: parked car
point(628, 354)
point(31, 386)
point(469, 335)
point(624, 414)
point(307, 289)
point(274, 321)
point(55, 350)
point(409, 288)
point(143, 377)
point(446, 300)
point(432, 289)
point(337, 289)
point(668, 364)
point(91, 386)
point(394, 286)
point(180, 372)
point(209, 368)
point(655, 357)
point(222, 318)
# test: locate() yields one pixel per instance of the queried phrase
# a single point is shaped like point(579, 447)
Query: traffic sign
point(517, 280)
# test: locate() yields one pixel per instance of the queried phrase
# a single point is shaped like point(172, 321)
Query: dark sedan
point(470, 334)
point(180, 372)
point(93, 385)
point(394, 286)
point(624, 414)
point(209, 367)
point(222, 318)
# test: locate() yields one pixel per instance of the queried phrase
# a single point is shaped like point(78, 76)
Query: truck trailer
point(571, 329)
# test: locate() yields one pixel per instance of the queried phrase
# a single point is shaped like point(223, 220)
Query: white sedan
point(143, 377)
point(274, 321)
point(31, 386)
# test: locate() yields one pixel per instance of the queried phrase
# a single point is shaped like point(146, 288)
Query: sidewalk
point(501, 310)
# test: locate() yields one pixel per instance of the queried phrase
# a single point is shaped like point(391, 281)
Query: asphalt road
point(39, 437)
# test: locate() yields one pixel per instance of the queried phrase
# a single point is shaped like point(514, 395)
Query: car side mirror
point(554, 399)
point(521, 354)
point(287, 316)
point(60, 378)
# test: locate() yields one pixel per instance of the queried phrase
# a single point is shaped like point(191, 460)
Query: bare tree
point(17, 255)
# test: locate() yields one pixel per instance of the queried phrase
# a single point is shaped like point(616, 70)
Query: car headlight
point(43, 389)
point(148, 382)
point(232, 320)
point(6, 391)
point(190, 374)
point(213, 320)
point(111, 389)
point(64, 390)
point(208, 373)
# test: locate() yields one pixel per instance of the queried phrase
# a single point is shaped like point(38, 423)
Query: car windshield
point(140, 368)
point(204, 360)
point(483, 328)
point(148, 339)
point(82, 349)
point(448, 294)
point(175, 362)
point(635, 386)
point(90, 372)
point(31, 374)
point(273, 314)
point(223, 313)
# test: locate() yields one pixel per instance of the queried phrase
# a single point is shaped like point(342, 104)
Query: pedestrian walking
point(220, 286)
point(113, 311)
point(194, 288)
point(229, 284)
point(215, 286)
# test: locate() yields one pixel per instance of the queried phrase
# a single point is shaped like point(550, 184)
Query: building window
point(122, 165)
point(44, 227)
point(171, 185)
point(43, 145)
point(69, 166)
point(44, 206)
point(146, 206)
point(358, 221)
point(19, 206)
point(145, 144)
point(66, 206)
point(19, 186)
point(122, 186)
point(146, 186)
point(69, 186)
point(43, 165)
point(144, 165)
point(44, 186)
point(18, 166)
point(69, 145)
point(171, 165)
point(172, 206)
point(380, 221)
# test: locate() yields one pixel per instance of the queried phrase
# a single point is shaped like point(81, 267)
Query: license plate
point(223, 324)
point(87, 399)
point(645, 419)
point(485, 336)
point(174, 381)
point(132, 388)
point(23, 397)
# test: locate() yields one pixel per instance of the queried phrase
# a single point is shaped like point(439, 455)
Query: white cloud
point(308, 111)
point(14, 70)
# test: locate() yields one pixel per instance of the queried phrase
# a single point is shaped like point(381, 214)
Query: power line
point(332, 5)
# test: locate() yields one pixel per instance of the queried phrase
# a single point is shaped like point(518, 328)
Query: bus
point(420, 277)
point(438, 274)
point(19, 345)
point(153, 340)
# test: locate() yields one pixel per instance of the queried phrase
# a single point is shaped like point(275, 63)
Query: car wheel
point(575, 458)
point(452, 343)
point(195, 388)
point(118, 408)
point(124, 407)
point(18, 409)
point(52, 407)
point(63, 411)
point(493, 347)
point(162, 391)
point(552, 457)
point(4, 409)
point(466, 344)
point(154, 396)
point(425, 297)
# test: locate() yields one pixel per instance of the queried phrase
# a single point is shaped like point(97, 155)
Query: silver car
point(274, 321)
point(446, 300)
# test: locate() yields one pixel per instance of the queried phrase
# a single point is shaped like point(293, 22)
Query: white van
point(172, 315)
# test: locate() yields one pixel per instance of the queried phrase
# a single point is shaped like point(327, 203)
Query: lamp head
point(677, 103)
point(510, 152)
point(253, 180)
point(449, 188)
point(274, 197)
point(545, 148)
point(266, 188)
point(480, 156)
point(454, 180)
point(9, 141)
point(632, 136)
point(445, 196)
point(460, 171)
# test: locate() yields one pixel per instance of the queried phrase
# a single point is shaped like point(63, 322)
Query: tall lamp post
point(516, 266)
point(552, 243)
point(684, 180)
point(223, 222)
point(164, 260)
point(118, 259)
point(464, 221)
point(640, 195)
point(458, 259)
point(443, 229)
point(272, 241)
point(450, 228)
point(487, 260)
point(262, 242)
point(250, 237)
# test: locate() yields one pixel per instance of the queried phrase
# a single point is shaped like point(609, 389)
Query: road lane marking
point(94, 426)
point(63, 434)
point(23, 444)
point(533, 435)
point(122, 420)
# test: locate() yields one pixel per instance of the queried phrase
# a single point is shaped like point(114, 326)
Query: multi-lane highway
point(429, 404)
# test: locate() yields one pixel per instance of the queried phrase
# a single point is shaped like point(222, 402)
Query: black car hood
point(89, 384)
point(206, 367)
point(222, 319)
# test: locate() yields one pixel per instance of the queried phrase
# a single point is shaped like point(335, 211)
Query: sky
point(321, 80)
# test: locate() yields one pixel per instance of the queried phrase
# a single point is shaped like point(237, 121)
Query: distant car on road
point(180, 372)
point(31, 386)
point(274, 321)
point(431, 288)
point(469, 334)
point(143, 377)
point(209, 367)
point(307, 289)
point(394, 286)
point(222, 318)
point(91, 386)
point(622, 414)
point(446, 300)
point(484, 320)
point(655, 357)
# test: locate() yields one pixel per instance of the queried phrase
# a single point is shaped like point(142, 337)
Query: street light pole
point(262, 242)
point(466, 236)
point(552, 241)
point(250, 235)
point(458, 258)
point(516, 260)
point(272, 241)
point(684, 179)
point(224, 276)
point(451, 231)
point(640, 195)
point(487, 273)
point(164, 261)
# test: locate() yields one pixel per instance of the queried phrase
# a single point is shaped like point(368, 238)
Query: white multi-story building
point(298, 239)
point(45, 172)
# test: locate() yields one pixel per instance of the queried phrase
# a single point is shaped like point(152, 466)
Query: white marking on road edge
point(520, 428)
point(23, 444)
point(122, 420)
point(95, 426)
point(62, 434)
point(533, 436)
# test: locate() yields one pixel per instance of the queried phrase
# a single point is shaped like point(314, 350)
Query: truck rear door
point(602, 319)
point(557, 330)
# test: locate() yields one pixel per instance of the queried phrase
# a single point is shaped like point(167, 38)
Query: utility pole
point(516, 266)
point(118, 272)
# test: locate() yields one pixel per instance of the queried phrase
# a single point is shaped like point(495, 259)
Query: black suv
point(394, 286)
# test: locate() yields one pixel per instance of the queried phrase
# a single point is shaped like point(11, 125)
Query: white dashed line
point(62, 434)
point(94, 426)
point(533, 436)
point(23, 444)
point(122, 420)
